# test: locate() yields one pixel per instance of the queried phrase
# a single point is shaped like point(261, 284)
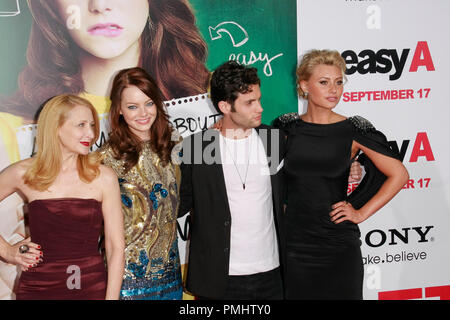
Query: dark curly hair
point(230, 79)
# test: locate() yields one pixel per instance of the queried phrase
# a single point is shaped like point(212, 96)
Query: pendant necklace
point(234, 162)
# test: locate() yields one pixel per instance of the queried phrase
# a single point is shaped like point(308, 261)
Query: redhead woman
point(139, 150)
point(69, 195)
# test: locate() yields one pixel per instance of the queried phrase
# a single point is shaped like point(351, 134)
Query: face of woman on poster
point(324, 87)
point(105, 28)
point(138, 110)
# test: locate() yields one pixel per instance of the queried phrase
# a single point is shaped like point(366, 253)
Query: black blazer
point(203, 192)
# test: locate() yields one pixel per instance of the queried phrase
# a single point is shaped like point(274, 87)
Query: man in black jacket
point(232, 185)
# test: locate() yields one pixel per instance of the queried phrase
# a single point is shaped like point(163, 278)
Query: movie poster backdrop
point(44, 53)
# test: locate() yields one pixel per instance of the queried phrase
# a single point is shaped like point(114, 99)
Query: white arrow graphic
point(11, 13)
point(231, 28)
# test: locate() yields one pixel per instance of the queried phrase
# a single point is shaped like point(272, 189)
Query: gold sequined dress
point(149, 194)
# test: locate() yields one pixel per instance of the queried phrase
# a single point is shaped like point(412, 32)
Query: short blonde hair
point(314, 58)
point(47, 162)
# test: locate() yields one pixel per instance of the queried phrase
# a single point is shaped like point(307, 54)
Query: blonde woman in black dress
point(323, 239)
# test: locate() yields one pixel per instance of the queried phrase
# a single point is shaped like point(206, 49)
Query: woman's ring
point(24, 248)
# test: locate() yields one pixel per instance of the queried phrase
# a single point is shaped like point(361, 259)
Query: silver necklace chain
point(234, 162)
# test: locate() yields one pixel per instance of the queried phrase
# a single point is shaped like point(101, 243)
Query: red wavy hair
point(125, 144)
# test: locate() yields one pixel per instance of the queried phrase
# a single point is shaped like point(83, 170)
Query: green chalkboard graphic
point(260, 33)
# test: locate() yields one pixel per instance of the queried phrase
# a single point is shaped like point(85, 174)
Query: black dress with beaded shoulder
point(323, 259)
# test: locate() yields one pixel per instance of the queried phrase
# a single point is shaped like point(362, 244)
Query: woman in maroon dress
point(69, 195)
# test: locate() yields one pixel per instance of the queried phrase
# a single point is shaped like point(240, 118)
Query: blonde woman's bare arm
point(114, 232)
point(396, 177)
point(10, 182)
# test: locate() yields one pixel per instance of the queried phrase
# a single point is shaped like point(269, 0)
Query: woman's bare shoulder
point(11, 177)
point(18, 168)
point(107, 174)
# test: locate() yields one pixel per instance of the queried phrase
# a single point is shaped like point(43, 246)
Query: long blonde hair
point(314, 58)
point(46, 164)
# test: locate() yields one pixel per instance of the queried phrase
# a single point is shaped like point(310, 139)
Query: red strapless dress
point(68, 231)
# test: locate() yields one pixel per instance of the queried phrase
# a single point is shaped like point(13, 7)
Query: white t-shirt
point(254, 246)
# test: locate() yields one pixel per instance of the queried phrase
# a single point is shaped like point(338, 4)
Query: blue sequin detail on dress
point(150, 197)
point(126, 201)
point(164, 284)
point(157, 188)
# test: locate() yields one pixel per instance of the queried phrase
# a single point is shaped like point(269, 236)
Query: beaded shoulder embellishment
point(361, 124)
point(289, 117)
point(286, 119)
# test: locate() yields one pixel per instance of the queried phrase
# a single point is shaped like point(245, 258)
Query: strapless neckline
point(65, 199)
point(68, 230)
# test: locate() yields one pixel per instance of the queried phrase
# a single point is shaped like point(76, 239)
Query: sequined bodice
point(149, 194)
